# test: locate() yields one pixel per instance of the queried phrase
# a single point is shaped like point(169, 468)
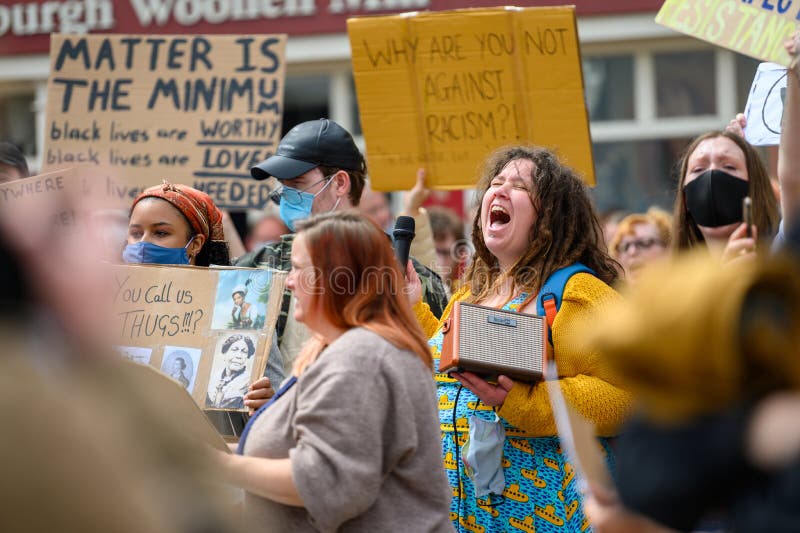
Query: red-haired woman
point(640, 240)
point(351, 442)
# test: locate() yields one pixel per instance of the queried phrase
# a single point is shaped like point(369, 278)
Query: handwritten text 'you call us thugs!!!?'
point(27, 18)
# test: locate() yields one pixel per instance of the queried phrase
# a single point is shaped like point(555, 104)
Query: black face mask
point(715, 197)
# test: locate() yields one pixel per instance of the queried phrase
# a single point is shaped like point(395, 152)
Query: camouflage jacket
point(278, 257)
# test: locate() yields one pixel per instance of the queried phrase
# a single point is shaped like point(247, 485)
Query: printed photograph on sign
point(135, 354)
point(180, 363)
point(231, 370)
point(241, 301)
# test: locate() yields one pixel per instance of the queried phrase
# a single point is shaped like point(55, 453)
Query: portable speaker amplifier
point(491, 341)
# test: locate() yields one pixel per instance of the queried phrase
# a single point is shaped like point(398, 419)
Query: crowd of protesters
point(675, 336)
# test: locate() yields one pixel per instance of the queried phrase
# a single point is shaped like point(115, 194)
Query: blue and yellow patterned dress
point(540, 495)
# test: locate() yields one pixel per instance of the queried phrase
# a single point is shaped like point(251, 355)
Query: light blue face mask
point(483, 455)
point(296, 205)
point(147, 252)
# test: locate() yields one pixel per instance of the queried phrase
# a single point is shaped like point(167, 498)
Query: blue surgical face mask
point(147, 252)
point(296, 205)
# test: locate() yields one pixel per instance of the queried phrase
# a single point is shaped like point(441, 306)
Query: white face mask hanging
point(483, 455)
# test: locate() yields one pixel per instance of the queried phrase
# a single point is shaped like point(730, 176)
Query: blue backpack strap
point(288, 384)
point(548, 301)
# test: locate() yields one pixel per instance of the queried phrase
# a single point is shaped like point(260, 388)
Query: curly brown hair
point(566, 229)
point(685, 232)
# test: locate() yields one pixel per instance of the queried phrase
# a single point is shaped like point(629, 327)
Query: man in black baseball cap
point(319, 169)
point(311, 144)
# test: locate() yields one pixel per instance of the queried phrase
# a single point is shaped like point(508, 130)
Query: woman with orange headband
point(174, 224)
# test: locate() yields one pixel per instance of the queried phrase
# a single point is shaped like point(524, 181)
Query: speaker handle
point(446, 325)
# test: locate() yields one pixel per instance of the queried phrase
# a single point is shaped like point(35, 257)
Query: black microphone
point(403, 235)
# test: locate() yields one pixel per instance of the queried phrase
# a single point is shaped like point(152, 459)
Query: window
point(634, 175)
point(685, 84)
point(18, 121)
point(609, 87)
point(356, 121)
point(305, 98)
point(745, 72)
point(645, 107)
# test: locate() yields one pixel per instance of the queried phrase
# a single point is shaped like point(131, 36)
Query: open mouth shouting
point(498, 217)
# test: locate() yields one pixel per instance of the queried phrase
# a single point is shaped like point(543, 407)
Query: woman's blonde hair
point(655, 216)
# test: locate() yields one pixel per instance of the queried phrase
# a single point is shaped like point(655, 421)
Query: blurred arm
point(422, 247)
point(268, 478)
point(788, 153)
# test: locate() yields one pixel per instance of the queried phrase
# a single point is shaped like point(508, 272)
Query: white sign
point(764, 109)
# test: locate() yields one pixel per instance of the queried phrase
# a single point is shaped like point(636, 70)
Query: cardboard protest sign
point(165, 392)
point(51, 196)
point(210, 329)
point(764, 109)
point(753, 28)
point(131, 110)
point(441, 90)
point(60, 203)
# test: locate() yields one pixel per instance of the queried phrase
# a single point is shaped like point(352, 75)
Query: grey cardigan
point(361, 428)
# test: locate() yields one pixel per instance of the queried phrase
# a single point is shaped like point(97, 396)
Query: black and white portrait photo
point(180, 363)
point(231, 370)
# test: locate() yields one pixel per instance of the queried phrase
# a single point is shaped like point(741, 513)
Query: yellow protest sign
point(210, 329)
point(442, 90)
point(753, 28)
point(131, 110)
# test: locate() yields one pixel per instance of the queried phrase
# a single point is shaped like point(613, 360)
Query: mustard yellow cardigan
point(586, 379)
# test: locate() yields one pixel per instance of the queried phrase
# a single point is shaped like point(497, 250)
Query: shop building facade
point(648, 89)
